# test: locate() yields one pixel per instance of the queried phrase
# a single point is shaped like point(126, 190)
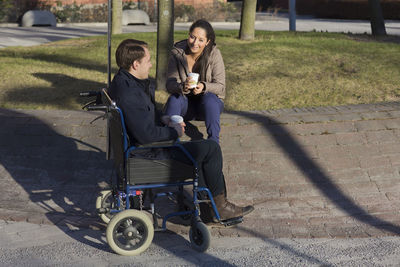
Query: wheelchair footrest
point(232, 221)
point(159, 229)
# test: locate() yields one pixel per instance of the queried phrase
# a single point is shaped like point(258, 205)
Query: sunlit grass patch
point(276, 70)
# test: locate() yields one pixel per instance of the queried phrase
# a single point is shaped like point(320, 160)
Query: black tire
point(130, 232)
point(200, 237)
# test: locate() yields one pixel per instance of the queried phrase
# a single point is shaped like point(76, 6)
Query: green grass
point(276, 70)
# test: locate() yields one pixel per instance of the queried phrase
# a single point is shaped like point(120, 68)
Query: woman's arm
point(174, 83)
point(217, 68)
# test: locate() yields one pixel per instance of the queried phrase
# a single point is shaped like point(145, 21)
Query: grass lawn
point(277, 70)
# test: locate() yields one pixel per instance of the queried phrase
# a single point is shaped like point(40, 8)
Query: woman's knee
point(210, 98)
point(175, 99)
point(212, 104)
point(176, 104)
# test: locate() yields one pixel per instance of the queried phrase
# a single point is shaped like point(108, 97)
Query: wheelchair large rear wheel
point(199, 236)
point(106, 201)
point(130, 232)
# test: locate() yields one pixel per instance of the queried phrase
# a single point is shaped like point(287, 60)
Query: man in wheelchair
point(133, 94)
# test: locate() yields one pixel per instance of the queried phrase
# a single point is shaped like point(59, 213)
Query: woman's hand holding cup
point(186, 86)
point(191, 83)
point(199, 89)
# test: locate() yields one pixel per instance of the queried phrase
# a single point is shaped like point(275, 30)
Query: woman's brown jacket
point(178, 71)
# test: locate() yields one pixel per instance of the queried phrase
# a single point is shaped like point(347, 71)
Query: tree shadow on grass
point(315, 174)
point(63, 92)
point(71, 61)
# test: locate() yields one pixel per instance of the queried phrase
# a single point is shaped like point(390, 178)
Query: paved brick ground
point(312, 172)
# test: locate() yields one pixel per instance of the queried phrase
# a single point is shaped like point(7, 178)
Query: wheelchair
point(127, 207)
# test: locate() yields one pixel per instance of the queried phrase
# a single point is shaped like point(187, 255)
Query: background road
point(11, 35)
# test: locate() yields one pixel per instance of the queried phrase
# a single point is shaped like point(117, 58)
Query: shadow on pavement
point(51, 178)
point(292, 251)
point(48, 177)
point(61, 176)
point(316, 175)
point(180, 248)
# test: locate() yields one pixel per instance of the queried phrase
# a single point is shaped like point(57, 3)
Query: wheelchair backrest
point(118, 135)
point(118, 141)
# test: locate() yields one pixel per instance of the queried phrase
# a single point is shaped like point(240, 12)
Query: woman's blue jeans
point(206, 107)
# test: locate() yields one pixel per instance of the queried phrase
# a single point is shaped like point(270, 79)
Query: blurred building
point(195, 3)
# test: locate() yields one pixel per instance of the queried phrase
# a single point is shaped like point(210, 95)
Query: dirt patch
point(369, 38)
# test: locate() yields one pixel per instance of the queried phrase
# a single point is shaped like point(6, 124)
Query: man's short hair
point(128, 51)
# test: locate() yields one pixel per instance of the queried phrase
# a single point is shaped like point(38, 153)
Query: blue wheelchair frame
point(128, 223)
point(131, 190)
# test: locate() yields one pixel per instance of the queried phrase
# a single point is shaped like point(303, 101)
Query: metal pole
point(155, 10)
point(292, 15)
point(109, 43)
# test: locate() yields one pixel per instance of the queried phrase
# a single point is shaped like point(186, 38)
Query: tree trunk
point(165, 39)
point(377, 22)
point(116, 26)
point(248, 19)
point(292, 15)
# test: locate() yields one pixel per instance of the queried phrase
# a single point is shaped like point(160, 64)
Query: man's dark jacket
point(136, 99)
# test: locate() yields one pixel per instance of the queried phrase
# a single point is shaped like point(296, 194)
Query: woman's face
point(197, 40)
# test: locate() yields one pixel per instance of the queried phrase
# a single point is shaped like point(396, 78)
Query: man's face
point(144, 66)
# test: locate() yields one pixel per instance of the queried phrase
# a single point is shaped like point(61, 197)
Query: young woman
point(197, 54)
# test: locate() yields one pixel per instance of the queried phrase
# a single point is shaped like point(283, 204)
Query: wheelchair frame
point(127, 224)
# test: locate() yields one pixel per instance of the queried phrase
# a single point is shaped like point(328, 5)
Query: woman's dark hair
point(128, 51)
point(201, 63)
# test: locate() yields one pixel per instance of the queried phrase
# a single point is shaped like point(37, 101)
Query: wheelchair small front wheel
point(130, 232)
point(199, 236)
point(105, 201)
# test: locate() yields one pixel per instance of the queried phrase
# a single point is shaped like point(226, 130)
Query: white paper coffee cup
point(176, 119)
point(194, 79)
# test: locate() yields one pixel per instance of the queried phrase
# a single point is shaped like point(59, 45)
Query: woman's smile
point(197, 40)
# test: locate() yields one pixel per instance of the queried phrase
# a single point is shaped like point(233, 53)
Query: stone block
point(38, 18)
point(367, 162)
point(351, 138)
point(135, 17)
point(381, 137)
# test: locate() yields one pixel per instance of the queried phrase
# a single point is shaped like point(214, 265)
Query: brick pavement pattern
point(310, 172)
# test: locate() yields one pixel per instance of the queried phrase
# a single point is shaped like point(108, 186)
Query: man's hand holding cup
point(176, 122)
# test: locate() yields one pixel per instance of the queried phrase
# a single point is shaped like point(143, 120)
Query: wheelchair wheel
point(199, 238)
point(105, 200)
point(130, 232)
